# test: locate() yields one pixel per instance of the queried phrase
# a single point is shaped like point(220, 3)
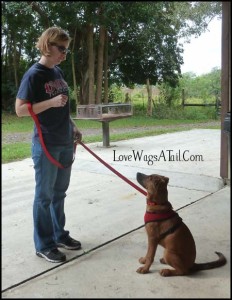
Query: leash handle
point(114, 171)
point(52, 159)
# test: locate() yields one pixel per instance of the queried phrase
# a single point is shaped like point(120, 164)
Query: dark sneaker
point(69, 244)
point(53, 255)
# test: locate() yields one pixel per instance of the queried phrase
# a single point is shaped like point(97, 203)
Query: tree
point(191, 18)
point(205, 87)
point(124, 42)
point(17, 33)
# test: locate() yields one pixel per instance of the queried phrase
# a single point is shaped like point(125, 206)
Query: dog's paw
point(165, 272)
point(142, 260)
point(142, 270)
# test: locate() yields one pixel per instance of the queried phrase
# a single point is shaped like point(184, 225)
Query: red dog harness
point(157, 217)
point(154, 217)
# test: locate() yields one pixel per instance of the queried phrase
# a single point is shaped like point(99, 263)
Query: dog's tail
point(210, 265)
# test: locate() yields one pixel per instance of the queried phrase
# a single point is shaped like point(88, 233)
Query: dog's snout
point(140, 177)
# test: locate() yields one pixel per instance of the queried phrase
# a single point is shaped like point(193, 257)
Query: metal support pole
point(106, 133)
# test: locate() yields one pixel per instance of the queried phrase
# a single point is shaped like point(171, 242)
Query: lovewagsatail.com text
point(163, 155)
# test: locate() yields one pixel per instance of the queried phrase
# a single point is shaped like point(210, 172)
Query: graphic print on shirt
point(56, 87)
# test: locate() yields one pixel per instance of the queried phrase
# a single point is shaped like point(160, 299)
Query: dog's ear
point(166, 179)
point(162, 183)
point(162, 189)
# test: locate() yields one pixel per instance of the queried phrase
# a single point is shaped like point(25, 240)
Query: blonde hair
point(49, 36)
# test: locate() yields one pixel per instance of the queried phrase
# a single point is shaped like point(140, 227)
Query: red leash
point(114, 171)
point(52, 159)
point(59, 165)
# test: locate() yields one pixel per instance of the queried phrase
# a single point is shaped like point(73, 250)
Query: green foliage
point(150, 46)
point(72, 99)
point(192, 17)
point(115, 94)
point(206, 87)
point(143, 37)
point(169, 95)
point(162, 111)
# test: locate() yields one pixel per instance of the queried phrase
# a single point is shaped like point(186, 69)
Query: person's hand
point(77, 135)
point(59, 100)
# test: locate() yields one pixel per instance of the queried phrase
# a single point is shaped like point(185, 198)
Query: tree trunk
point(106, 69)
point(100, 64)
point(73, 70)
point(85, 87)
point(149, 100)
point(183, 96)
point(91, 98)
point(44, 16)
point(15, 65)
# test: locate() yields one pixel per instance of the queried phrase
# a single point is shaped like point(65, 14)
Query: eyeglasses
point(62, 49)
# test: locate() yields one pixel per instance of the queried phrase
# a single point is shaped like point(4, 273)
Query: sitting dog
point(164, 227)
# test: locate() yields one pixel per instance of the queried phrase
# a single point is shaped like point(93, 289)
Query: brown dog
point(164, 227)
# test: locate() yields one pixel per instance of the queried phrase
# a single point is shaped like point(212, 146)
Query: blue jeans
point(50, 192)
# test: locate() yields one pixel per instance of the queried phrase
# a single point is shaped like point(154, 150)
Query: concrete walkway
point(106, 215)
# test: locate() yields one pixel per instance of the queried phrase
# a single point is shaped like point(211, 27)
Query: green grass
point(17, 151)
point(12, 123)
point(131, 135)
point(169, 116)
point(144, 121)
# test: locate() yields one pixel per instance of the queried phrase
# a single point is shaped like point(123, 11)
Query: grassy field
point(167, 116)
point(142, 125)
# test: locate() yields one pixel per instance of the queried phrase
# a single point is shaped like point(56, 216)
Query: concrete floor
point(106, 215)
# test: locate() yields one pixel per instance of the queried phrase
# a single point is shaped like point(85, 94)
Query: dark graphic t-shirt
point(38, 84)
